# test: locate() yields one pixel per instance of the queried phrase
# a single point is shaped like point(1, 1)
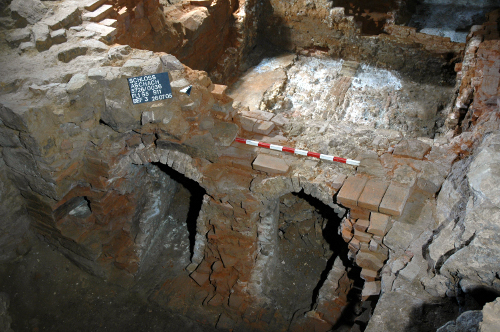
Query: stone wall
point(308, 25)
point(188, 31)
point(15, 220)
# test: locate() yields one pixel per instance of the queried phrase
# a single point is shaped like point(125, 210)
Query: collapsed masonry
point(80, 162)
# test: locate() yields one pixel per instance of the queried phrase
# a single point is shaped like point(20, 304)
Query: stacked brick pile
point(372, 203)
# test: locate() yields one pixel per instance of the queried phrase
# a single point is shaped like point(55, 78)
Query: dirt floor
point(47, 292)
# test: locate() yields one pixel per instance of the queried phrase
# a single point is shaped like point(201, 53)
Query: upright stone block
point(41, 36)
point(371, 288)
point(394, 199)
point(372, 194)
point(351, 190)
point(219, 91)
point(247, 123)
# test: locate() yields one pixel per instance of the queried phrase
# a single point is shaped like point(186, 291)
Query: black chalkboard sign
point(148, 88)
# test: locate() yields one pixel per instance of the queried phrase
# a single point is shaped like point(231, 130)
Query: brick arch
point(270, 190)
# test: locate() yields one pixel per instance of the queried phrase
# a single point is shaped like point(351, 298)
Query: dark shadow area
point(340, 249)
point(330, 234)
point(371, 15)
point(272, 29)
point(475, 299)
point(431, 316)
point(47, 292)
point(450, 17)
point(195, 200)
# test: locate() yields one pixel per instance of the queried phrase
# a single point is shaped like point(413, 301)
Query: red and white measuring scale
point(297, 151)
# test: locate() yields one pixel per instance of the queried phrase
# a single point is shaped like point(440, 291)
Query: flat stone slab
point(372, 194)
point(259, 115)
point(269, 164)
point(98, 14)
point(109, 22)
point(394, 199)
point(204, 3)
point(107, 33)
point(412, 148)
point(92, 5)
point(65, 17)
point(351, 190)
point(263, 127)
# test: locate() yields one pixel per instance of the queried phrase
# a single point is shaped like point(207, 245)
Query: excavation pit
point(231, 207)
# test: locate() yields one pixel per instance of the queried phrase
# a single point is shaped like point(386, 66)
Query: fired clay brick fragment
point(372, 194)
point(368, 275)
point(368, 260)
point(351, 190)
point(359, 213)
point(199, 278)
point(362, 225)
point(394, 199)
point(362, 236)
point(379, 224)
point(346, 235)
point(269, 164)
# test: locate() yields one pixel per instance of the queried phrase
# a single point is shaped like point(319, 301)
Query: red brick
point(372, 194)
point(362, 236)
point(200, 278)
point(369, 260)
point(368, 275)
point(379, 224)
point(359, 213)
point(362, 225)
point(346, 235)
point(351, 190)
point(394, 199)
